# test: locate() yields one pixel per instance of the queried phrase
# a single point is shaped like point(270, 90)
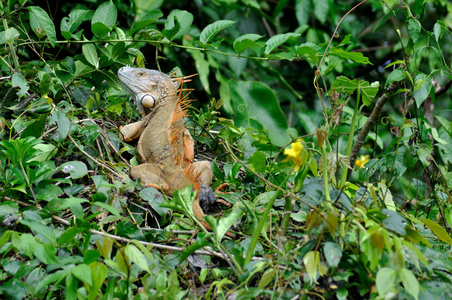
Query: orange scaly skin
point(165, 147)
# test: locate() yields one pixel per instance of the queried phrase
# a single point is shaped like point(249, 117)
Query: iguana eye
point(140, 74)
point(148, 101)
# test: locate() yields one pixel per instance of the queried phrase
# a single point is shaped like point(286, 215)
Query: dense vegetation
point(329, 121)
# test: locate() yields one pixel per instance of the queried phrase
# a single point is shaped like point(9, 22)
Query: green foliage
point(333, 136)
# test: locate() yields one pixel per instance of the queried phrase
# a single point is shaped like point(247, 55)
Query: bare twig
point(94, 159)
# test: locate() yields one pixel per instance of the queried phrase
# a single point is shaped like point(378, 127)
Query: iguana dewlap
point(165, 147)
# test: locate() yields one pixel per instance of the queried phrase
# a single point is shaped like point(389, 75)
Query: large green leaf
point(69, 25)
point(414, 29)
point(302, 10)
point(321, 8)
point(385, 280)
point(355, 56)
point(213, 29)
point(396, 75)
point(90, 54)
point(106, 14)
point(76, 169)
point(184, 18)
point(246, 41)
point(437, 230)
point(9, 36)
point(145, 21)
point(104, 18)
point(279, 39)
point(310, 51)
point(422, 88)
point(368, 91)
point(253, 100)
point(136, 256)
point(40, 21)
point(409, 282)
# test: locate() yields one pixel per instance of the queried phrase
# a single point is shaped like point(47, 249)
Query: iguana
point(165, 146)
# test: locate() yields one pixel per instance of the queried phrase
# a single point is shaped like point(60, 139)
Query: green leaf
point(422, 87)
point(71, 201)
point(312, 262)
point(27, 244)
point(104, 18)
point(414, 29)
point(40, 22)
point(283, 55)
point(437, 230)
point(253, 100)
point(99, 273)
point(321, 8)
point(63, 123)
point(386, 196)
point(267, 277)
point(213, 29)
point(182, 201)
point(437, 31)
point(192, 248)
point(226, 222)
point(136, 256)
point(145, 21)
point(409, 282)
point(83, 273)
point(302, 11)
point(184, 18)
point(9, 36)
point(202, 65)
point(343, 84)
point(368, 92)
point(332, 253)
point(13, 289)
point(100, 29)
point(90, 54)
point(396, 75)
point(109, 208)
point(279, 39)
point(18, 80)
point(385, 281)
point(46, 232)
point(49, 279)
point(246, 41)
point(155, 199)
point(171, 32)
point(355, 56)
point(76, 17)
point(76, 169)
point(309, 51)
point(258, 161)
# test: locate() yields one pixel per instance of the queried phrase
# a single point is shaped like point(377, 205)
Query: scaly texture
point(165, 146)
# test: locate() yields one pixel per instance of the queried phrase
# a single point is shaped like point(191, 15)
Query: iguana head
point(148, 87)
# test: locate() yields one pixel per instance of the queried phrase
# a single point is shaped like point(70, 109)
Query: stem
point(325, 174)
point(370, 123)
point(348, 150)
point(11, 45)
point(262, 222)
point(288, 207)
point(28, 183)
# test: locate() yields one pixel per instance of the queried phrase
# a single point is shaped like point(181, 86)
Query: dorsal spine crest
point(177, 129)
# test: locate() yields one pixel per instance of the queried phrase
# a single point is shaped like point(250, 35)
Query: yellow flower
point(362, 161)
point(294, 153)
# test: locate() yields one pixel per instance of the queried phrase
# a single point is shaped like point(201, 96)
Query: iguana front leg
point(131, 131)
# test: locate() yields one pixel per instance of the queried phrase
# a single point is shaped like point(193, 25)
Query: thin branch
point(371, 121)
point(94, 159)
